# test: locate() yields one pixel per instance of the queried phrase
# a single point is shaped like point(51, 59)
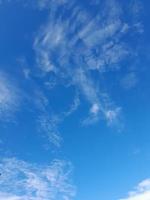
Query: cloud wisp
point(25, 181)
point(9, 97)
point(73, 46)
point(74, 43)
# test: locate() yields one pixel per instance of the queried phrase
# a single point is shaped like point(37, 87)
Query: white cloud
point(74, 106)
point(141, 192)
point(5, 196)
point(113, 115)
point(9, 97)
point(74, 46)
point(93, 35)
point(94, 109)
point(49, 123)
point(86, 85)
point(24, 181)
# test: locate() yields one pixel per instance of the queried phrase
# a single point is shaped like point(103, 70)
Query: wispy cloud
point(113, 115)
point(141, 192)
point(75, 43)
point(49, 122)
point(73, 107)
point(74, 46)
point(9, 97)
point(23, 181)
point(49, 125)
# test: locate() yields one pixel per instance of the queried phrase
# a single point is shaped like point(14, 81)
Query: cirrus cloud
point(9, 97)
point(21, 180)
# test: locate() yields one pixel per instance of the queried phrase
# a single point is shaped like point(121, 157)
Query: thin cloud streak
point(9, 97)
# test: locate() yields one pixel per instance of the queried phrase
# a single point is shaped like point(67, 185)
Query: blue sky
point(74, 100)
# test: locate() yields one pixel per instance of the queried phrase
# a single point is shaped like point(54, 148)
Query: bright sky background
point(74, 100)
